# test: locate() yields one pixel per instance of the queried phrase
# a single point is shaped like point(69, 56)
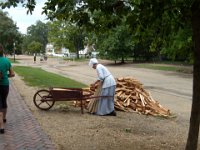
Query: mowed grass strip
point(158, 67)
point(41, 78)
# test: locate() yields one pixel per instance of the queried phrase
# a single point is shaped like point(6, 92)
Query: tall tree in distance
point(66, 34)
point(39, 33)
point(8, 32)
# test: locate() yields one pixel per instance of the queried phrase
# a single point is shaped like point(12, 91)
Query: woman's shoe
point(2, 131)
point(113, 113)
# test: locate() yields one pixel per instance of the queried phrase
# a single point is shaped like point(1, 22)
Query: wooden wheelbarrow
point(44, 99)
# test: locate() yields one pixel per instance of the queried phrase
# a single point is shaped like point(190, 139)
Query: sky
point(22, 20)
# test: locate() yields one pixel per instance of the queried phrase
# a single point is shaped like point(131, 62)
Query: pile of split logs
point(130, 96)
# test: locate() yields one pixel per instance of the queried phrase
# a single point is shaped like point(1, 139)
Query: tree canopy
point(8, 33)
point(65, 34)
point(37, 33)
point(155, 26)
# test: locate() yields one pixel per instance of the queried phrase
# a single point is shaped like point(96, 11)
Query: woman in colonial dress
point(106, 84)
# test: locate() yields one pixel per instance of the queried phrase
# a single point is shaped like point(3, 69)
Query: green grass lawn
point(166, 67)
point(40, 78)
point(158, 67)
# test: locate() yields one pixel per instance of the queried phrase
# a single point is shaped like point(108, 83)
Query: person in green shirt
point(6, 71)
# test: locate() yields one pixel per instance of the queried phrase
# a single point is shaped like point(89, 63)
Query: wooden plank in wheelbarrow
point(67, 94)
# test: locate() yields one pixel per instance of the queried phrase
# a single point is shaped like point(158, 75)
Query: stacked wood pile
point(130, 96)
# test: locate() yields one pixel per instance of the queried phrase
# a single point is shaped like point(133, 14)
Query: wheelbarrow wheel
point(43, 99)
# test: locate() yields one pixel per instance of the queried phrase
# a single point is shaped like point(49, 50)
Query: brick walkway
point(22, 131)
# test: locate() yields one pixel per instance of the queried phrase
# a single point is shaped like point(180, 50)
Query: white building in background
point(89, 51)
point(84, 51)
point(65, 52)
point(50, 51)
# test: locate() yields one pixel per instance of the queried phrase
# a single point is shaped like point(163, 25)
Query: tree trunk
point(122, 59)
point(193, 134)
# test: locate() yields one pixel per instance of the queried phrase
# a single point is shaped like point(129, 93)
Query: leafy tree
point(26, 41)
point(38, 33)
point(63, 33)
point(117, 43)
point(18, 43)
point(180, 45)
point(8, 32)
point(58, 35)
point(159, 17)
point(34, 47)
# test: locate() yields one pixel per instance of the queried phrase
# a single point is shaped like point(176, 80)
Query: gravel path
point(72, 131)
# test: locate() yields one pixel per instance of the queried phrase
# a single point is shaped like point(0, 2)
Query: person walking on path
point(106, 87)
point(6, 71)
point(34, 58)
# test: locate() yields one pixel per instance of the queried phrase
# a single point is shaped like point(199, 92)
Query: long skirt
point(106, 104)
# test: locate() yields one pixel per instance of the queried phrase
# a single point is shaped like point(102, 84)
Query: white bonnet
point(93, 61)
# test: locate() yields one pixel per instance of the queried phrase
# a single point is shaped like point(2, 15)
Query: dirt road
point(172, 90)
